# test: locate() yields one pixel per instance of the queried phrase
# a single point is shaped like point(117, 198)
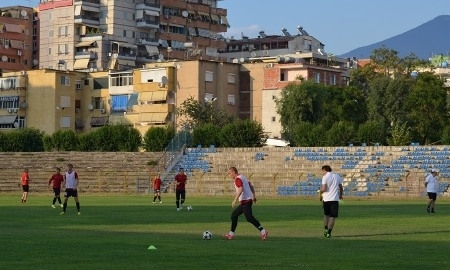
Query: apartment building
point(95, 35)
point(19, 36)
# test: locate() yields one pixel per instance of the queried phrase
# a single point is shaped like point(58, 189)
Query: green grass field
point(115, 232)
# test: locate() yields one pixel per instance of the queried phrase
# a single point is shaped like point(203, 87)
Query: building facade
point(19, 36)
point(96, 35)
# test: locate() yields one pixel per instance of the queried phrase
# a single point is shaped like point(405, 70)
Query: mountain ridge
point(425, 40)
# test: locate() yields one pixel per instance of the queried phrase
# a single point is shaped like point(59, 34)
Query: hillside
point(432, 37)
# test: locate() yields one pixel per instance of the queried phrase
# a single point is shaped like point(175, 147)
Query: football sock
point(54, 200)
point(260, 228)
point(64, 207)
point(326, 228)
point(329, 231)
point(159, 198)
point(78, 206)
point(59, 200)
point(178, 204)
point(154, 198)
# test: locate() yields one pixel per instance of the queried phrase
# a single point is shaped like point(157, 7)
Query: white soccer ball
point(189, 208)
point(207, 235)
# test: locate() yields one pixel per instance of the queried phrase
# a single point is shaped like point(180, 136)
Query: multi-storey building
point(19, 36)
point(122, 34)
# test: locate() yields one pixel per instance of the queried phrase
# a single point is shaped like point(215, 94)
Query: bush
point(156, 138)
point(207, 134)
point(242, 133)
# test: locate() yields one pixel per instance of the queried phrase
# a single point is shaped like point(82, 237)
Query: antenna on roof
point(262, 34)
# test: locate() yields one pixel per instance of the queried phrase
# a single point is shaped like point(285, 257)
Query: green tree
point(372, 132)
point(242, 133)
point(400, 134)
point(300, 102)
point(308, 135)
point(197, 113)
point(206, 135)
point(156, 138)
point(427, 104)
point(341, 133)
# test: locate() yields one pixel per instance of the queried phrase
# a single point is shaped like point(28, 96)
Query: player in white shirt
point(431, 183)
point(330, 193)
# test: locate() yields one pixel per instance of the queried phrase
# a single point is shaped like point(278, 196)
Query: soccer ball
point(207, 235)
point(189, 208)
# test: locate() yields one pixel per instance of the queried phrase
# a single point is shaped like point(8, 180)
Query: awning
point(112, 63)
point(8, 119)
point(225, 20)
point(124, 44)
point(153, 96)
point(151, 13)
point(130, 63)
point(192, 31)
point(88, 8)
point(215, 17)
point(81, 63)
point(203, 13)
point(152, 50)
point(13, 28)
point(99, 121)
point(77, 10)
point(85, 44)
point(153, 117)
point(139, 14)
point(16, 44)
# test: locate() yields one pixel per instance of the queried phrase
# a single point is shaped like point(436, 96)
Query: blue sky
point(342, 25)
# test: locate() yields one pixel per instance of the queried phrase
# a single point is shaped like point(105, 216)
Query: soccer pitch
point(116, 232)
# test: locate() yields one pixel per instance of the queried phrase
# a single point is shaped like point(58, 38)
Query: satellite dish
point(161, 57)
point(90, 107)
point(16, 124)
point(35, 62)
point(164, 80)
point(6, 46)
point(160, 41)
point(253, 54)
point(4, 58)
point(184, 14)
point(23, 105)
point(23, 13)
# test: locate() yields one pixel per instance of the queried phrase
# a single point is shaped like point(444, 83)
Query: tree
point(300, 102)
point(372, 131)
point(198, 113)
point(427, 105)
point(400, 134)
point(341, 133)
point(307, 134)
point(156, 138)
point(206, 135)
point(242, 133)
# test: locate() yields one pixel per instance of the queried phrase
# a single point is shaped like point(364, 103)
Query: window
point(231, 100)
point(209, 75)
point(274, 119)
point(78, 84)
point(124, 33)
point(49, 51)
point(98, 103)
point(316, 77)
point(333, 79)
point(231, 78)
point(64, 122)
point(65, 102)
point(65, 80)
point(121, 79)
point(50, 16)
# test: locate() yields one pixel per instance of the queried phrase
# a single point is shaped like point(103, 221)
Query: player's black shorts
point(25, 188)
point(70, 192)
point(432, 195)
point(57, 191)
point(331, 209)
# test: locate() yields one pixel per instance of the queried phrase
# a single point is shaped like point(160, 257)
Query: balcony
point(144, 23)
point(148, 41)
point(86, 55)
point(84, 19)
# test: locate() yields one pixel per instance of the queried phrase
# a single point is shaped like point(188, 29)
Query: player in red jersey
point(245, 196)
point(57, 180)
point(157, 188)
point(25, 179)
point(180, 188)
